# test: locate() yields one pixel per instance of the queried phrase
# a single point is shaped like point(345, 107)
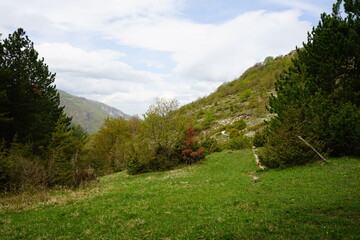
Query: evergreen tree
point(64, 152)
point(30, 101)
point(319, 96)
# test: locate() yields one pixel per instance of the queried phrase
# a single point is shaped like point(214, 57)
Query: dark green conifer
point(319, 96)
point(30, 101)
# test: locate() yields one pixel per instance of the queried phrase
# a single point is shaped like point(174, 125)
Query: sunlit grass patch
point(217, 199)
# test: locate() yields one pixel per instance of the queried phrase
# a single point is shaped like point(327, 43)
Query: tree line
point(317, 98)
point(38, 145)
point(41, 148)
point(162, 140)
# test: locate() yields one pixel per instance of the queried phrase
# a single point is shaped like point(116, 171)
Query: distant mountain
point(87, 113)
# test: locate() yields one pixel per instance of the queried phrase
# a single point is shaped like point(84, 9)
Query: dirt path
point(257, 158)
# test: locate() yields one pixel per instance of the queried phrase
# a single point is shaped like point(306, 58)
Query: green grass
point(219, 199)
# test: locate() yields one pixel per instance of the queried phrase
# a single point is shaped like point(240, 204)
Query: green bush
point(200, 113)
point(6, 168)
point(134, 166)
point(208, 119)
point(287, 152)
point(210, 145)
point(240, 124)
point(161, 160)
point(344, 129)
point(245, 95)
point(259, 139)
point(268, 60)
point(284, 148)
point(20, 169)
point(233, 133)
point(111, 144)
point(239, 142)
point(58, 164)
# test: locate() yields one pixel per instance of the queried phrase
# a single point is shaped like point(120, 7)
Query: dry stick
point(308, 144)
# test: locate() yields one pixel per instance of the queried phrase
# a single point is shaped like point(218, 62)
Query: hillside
point(87, 113)
point(245, 98)
point(226, 197)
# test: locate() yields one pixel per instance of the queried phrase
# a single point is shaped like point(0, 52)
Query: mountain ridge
point(87, 113)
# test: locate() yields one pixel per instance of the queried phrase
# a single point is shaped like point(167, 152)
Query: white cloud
point(69, 15)
point(203, 55)
point(101, 75)
point(133, 102)
point(99, 64)
point(154, 64)
point(216, 52)
point(314, 7)
point(3, 32)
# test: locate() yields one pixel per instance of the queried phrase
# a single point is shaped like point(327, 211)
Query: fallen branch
point(308, 144)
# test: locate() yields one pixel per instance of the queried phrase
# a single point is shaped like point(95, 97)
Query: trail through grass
point(219, 199)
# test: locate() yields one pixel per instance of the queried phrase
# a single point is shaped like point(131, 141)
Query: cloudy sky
point(127, 52)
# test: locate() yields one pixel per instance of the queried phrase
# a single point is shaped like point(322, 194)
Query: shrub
point(191, 151)
point(110, 145)
point(200, 113)
point(240, 124)
point(268, 60)
point(63, 154)
point(288, 151)
point(259, 139)
point(245, 95)
point(208, 119)
point(20, 169)
point(233, 133)
point(6, 168)
point(239, 142)
point(344, 129)
point(283, 147)
point(134, 166)
point(232, 108)
point(210, 145)
point(84, 175)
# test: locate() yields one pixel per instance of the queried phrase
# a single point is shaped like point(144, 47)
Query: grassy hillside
point(244, 98)
point(87, 113)
point(226, 197)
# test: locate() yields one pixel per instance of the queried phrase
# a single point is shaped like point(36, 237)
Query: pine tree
point(31, 101)
point(319, 96)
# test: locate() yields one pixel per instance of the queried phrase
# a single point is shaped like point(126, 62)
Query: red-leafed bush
point(191, 152)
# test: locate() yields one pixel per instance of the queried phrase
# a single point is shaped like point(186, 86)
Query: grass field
point(226, 197)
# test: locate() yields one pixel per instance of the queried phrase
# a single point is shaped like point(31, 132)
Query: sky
point(127, 52)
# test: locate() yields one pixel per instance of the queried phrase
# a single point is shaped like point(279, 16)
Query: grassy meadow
point(225, 197)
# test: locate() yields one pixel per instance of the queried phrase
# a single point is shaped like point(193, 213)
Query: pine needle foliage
point(318, 97)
